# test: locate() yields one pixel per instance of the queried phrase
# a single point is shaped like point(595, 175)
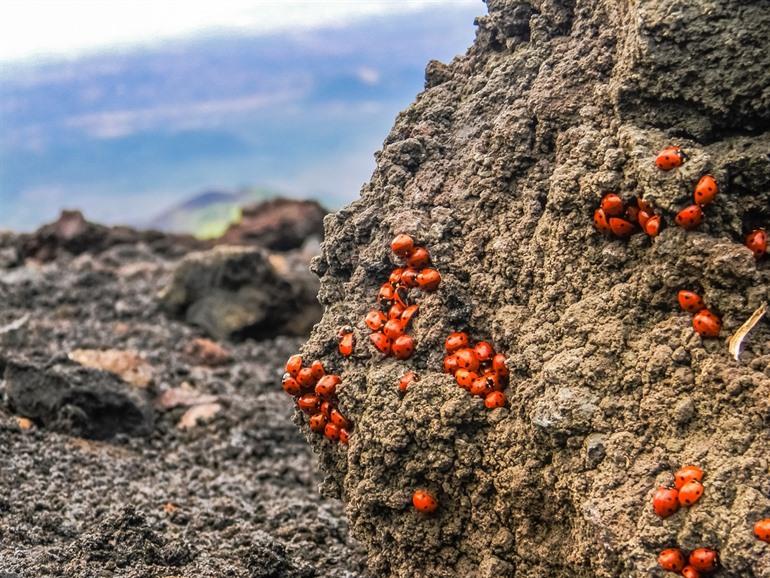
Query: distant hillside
point(208, 214)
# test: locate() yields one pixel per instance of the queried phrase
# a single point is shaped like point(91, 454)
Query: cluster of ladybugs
point(704, 322)
point(614, 217)
point(477, 369)
point(316, 394)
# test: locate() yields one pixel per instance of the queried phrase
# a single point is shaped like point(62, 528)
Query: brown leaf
point(197, 414)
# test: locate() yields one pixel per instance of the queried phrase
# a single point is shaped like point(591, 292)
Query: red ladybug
point(762, 530)
point(344, 435)
point(406, 380)
point(621, 227)
point(450, 364)
point(706, 190)
point(665, 502)
point(402, 245)
point(394, 328)
point(704, 559)
point(690, 572)
point(645, 206)
point(671, 560)
point(428, 279)
point(375, 319)
point(408, 313)
point(305, 378)
point(670, 157)
point(601, 222)
point(612, 205)
point(424, 501)
point(689, 217)
point(309, 403)
point(632, 214)
point(499, 366)
point(395, 276)
point(479, 387)
point(346, 344)
point(326, 409)
point(690, 302)
point(291, 385)
point(484, 351)
point(409, 277)
point(327, 386)
point(381, 342)
point(386, 294)
point(395, 311)
point(467, 359)
point(757, 242)
point(419, 258)
point(493, 381)
point(332, 432)
point(495, 399)
point(652, 227)
point(338, 419)
point(687, 473)
point(706, 324)
point(293, 365)
point(403, 347)
point(317, 369)
point(456, 341)
point(317, 422)
point(690, 493)
point(465, 378)
point(643, 217)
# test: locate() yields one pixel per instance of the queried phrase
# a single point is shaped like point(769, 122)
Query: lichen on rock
point(497, 167)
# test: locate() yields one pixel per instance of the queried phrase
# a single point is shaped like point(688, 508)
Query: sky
point(126, 109)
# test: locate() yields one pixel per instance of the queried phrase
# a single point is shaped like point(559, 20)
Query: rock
point(203, 351)
point(278, 224)
point(198, 414)
point(77, 400)
point(128, 365)
point(496, 168)
point(233, 292)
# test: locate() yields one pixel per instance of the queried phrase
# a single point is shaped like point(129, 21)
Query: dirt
point(90, 488)
point(497, 168)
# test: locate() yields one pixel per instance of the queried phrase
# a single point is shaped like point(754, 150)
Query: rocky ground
point(113, 476)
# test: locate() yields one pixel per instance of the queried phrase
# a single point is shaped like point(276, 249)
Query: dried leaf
point(198, 413)
point(735, 342)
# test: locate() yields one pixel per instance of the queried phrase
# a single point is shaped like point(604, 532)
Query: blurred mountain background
point(179, 134)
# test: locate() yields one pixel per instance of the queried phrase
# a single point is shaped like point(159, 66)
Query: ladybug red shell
point(309, 403)
point(621, 227)
point(450, 364)
point(690, 493)
point(394, 328)
point(456, 340)
point(689, 217)
point(293, 365)
point(706, 323)
point(690, 572)
point(499, 366)
point(762, 530)
point(601, 222)
point(406, 380)
point(408, 313)
point(419, 258)
point(317, 422)
point(424, 501)
point(652, 227)
point(495, 399)
point(687, 473)
point(612, 205)
point(665, 501)
point(690, 302)
point(465, 378)
point(381, 342)
point(757, 242)
point(409, 277)
point(670, 157)
point(467, 359)
point(672, 560)
point(402, 245)
point(327, 386)
point(484, 351)
point(704, 559)
point(346, 344)
point(403, 347)
point(291, 385)
point(375, 319)
point(317, 369)
point(428, 279)
point(332, 432)
point(338, 419)
point(706, 190)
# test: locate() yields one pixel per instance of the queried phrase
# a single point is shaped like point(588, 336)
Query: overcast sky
point(30, 29)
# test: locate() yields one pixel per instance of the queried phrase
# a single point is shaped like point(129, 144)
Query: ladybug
point(381, 342)
point(293, 365)
point(690, 302)
point(499, 366)
point(689, 217)
point(344, 435)
point(672, 560)
point(375, 319)
point(762, 530)
point(493, 381)
point(690, 493)
point(317, 369)
point(394, 328)
point(419, 258)
point(291, 385)
point(450, 364)
point(484, 351)
point(612, 205)
point(346, 344)
point(305, 378)
point(424, 501)
point(408, 313)
point(665, 501)
point(690, 572)
point(621, 227)
point(757, 242)
point(395, 311)
point(687, 473)
point(327, 386)
point(652, 227)
point(601, 222)
point(670, 157)
point(643, 217)
point(317, 422)
point(704, 559)
point(428, 279)
point(632, 214)
point(386, 294)
point(332, 432)
point(403, 347)
point(338, 419)
point(495, 399)
point(706, 190)
point(326, 409)
point(402, 245)
point(465, 378)
point(395, 276)
point(479, 387)
point(467, 359)
point(309, 403)
point(706, 324)
point(406, 380)
point(645, 206)
point(409, 277)
point(455, 341)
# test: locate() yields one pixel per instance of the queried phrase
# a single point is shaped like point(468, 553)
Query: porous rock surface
point(497, 168)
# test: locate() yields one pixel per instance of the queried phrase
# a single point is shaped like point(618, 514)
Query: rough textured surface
point(497, 168)
point(235, 496)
